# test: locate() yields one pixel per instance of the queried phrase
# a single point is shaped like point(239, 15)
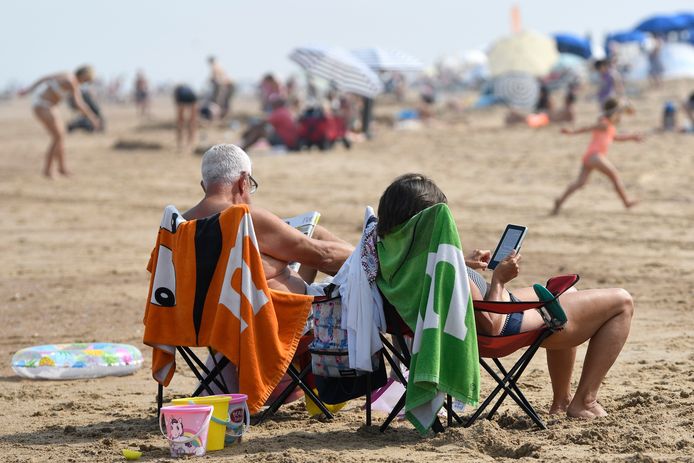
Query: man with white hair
point(226, 181)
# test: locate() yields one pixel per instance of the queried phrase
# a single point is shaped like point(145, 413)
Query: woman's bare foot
point(65, 172)
point(48, 174)
point(557, 205)
point(590, 411)
point(559, 406)
point(631, 203)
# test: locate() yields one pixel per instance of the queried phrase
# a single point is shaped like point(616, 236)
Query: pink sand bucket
point(186, 428)
point(239, 418)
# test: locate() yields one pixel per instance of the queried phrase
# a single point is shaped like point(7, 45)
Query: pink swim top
point(602, 139)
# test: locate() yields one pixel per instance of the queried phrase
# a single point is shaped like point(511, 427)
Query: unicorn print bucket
point(186, 428)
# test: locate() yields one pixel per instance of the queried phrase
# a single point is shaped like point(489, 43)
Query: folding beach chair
point(203, 295)
point(401, 355)
point(496, 347)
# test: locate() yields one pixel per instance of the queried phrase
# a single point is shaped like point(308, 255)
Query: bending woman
point(47, 93)
point(600, 316)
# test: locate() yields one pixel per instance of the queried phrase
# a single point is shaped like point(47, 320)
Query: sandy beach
point(74, 252)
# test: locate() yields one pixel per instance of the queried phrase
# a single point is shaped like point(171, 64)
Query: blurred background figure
point(142, 97)
point(186, 116)
point(610, 84)
point(268, 87)
point(655, 63)
point(223, 87)
point(82, 122)
point(688, 108)
point(293, 94)
point(47, 93)
point(279, 128)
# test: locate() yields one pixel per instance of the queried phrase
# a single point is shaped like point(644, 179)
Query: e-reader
point(511, 240)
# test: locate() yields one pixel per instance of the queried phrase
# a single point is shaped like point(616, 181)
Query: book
point(306, 224)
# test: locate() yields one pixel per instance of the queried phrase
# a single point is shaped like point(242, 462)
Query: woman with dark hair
point(600, 316)
point(47, 93)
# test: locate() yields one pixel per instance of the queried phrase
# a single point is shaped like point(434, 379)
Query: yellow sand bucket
point(220, 417)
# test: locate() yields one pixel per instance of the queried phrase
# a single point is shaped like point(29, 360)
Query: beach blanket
point(208, 288)
point(423, 274)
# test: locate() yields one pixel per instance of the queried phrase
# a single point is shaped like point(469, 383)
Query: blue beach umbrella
point(662, 24)
point(569, 43)
point(688, 18)
point(625, 37)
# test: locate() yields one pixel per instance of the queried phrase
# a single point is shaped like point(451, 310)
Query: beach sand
point(74, 253)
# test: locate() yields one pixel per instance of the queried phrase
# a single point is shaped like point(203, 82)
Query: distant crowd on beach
point(292, 116)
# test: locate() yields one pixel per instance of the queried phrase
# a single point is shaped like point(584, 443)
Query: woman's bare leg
point(606, 167)
point(560, 364)
point(56, 150)
point(571, 189)
point(604, 317)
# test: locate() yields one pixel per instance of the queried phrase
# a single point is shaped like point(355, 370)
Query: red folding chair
point(496, 347)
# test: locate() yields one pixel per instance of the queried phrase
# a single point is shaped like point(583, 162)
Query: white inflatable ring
point(76, 361)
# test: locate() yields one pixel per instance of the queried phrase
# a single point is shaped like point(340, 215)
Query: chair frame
point(298, 379)
point(398, 329)
point(198, 367)
point(208, 376)
point(507, 380)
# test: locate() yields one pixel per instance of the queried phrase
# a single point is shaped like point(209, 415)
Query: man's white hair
point(224, 163)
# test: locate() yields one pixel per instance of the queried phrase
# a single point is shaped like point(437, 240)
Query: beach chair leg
point(211, 377)
point(272, 409)
point(160, 398)
point(508, 385)
point(368, 399)
point(297, 378)
point(449, 410)
point(437, 427)
point(393, 413)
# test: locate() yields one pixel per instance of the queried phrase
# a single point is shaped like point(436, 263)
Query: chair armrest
point(558, 285)
point(555, 285)
point(506, 307)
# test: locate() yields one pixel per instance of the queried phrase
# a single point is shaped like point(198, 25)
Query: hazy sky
point(170, 39)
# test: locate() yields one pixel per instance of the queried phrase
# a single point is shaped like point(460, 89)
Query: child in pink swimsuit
point(604, 132)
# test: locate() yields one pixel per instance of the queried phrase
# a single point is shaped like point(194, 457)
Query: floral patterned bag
point(329, 353)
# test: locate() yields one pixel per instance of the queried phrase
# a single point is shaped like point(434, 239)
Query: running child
point(595, 158)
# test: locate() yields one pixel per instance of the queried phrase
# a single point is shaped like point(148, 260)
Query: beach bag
point(329, 352)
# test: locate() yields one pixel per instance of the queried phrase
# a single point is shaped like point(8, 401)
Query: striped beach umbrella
point(339, 66)
point(529, 52)
point(516, 89)
point(380, 59)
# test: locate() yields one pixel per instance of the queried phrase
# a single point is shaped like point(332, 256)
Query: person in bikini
point(600, 316)
point(47, 93)
point(226, 181)
point(595, 157)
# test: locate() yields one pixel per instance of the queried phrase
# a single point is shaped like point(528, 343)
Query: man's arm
point(283, 242)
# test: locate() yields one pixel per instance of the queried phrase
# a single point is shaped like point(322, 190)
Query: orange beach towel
point(208, 288)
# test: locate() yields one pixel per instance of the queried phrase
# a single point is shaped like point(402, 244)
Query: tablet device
point(510, 240)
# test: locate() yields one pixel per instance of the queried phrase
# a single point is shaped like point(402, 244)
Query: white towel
point(362, 305)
